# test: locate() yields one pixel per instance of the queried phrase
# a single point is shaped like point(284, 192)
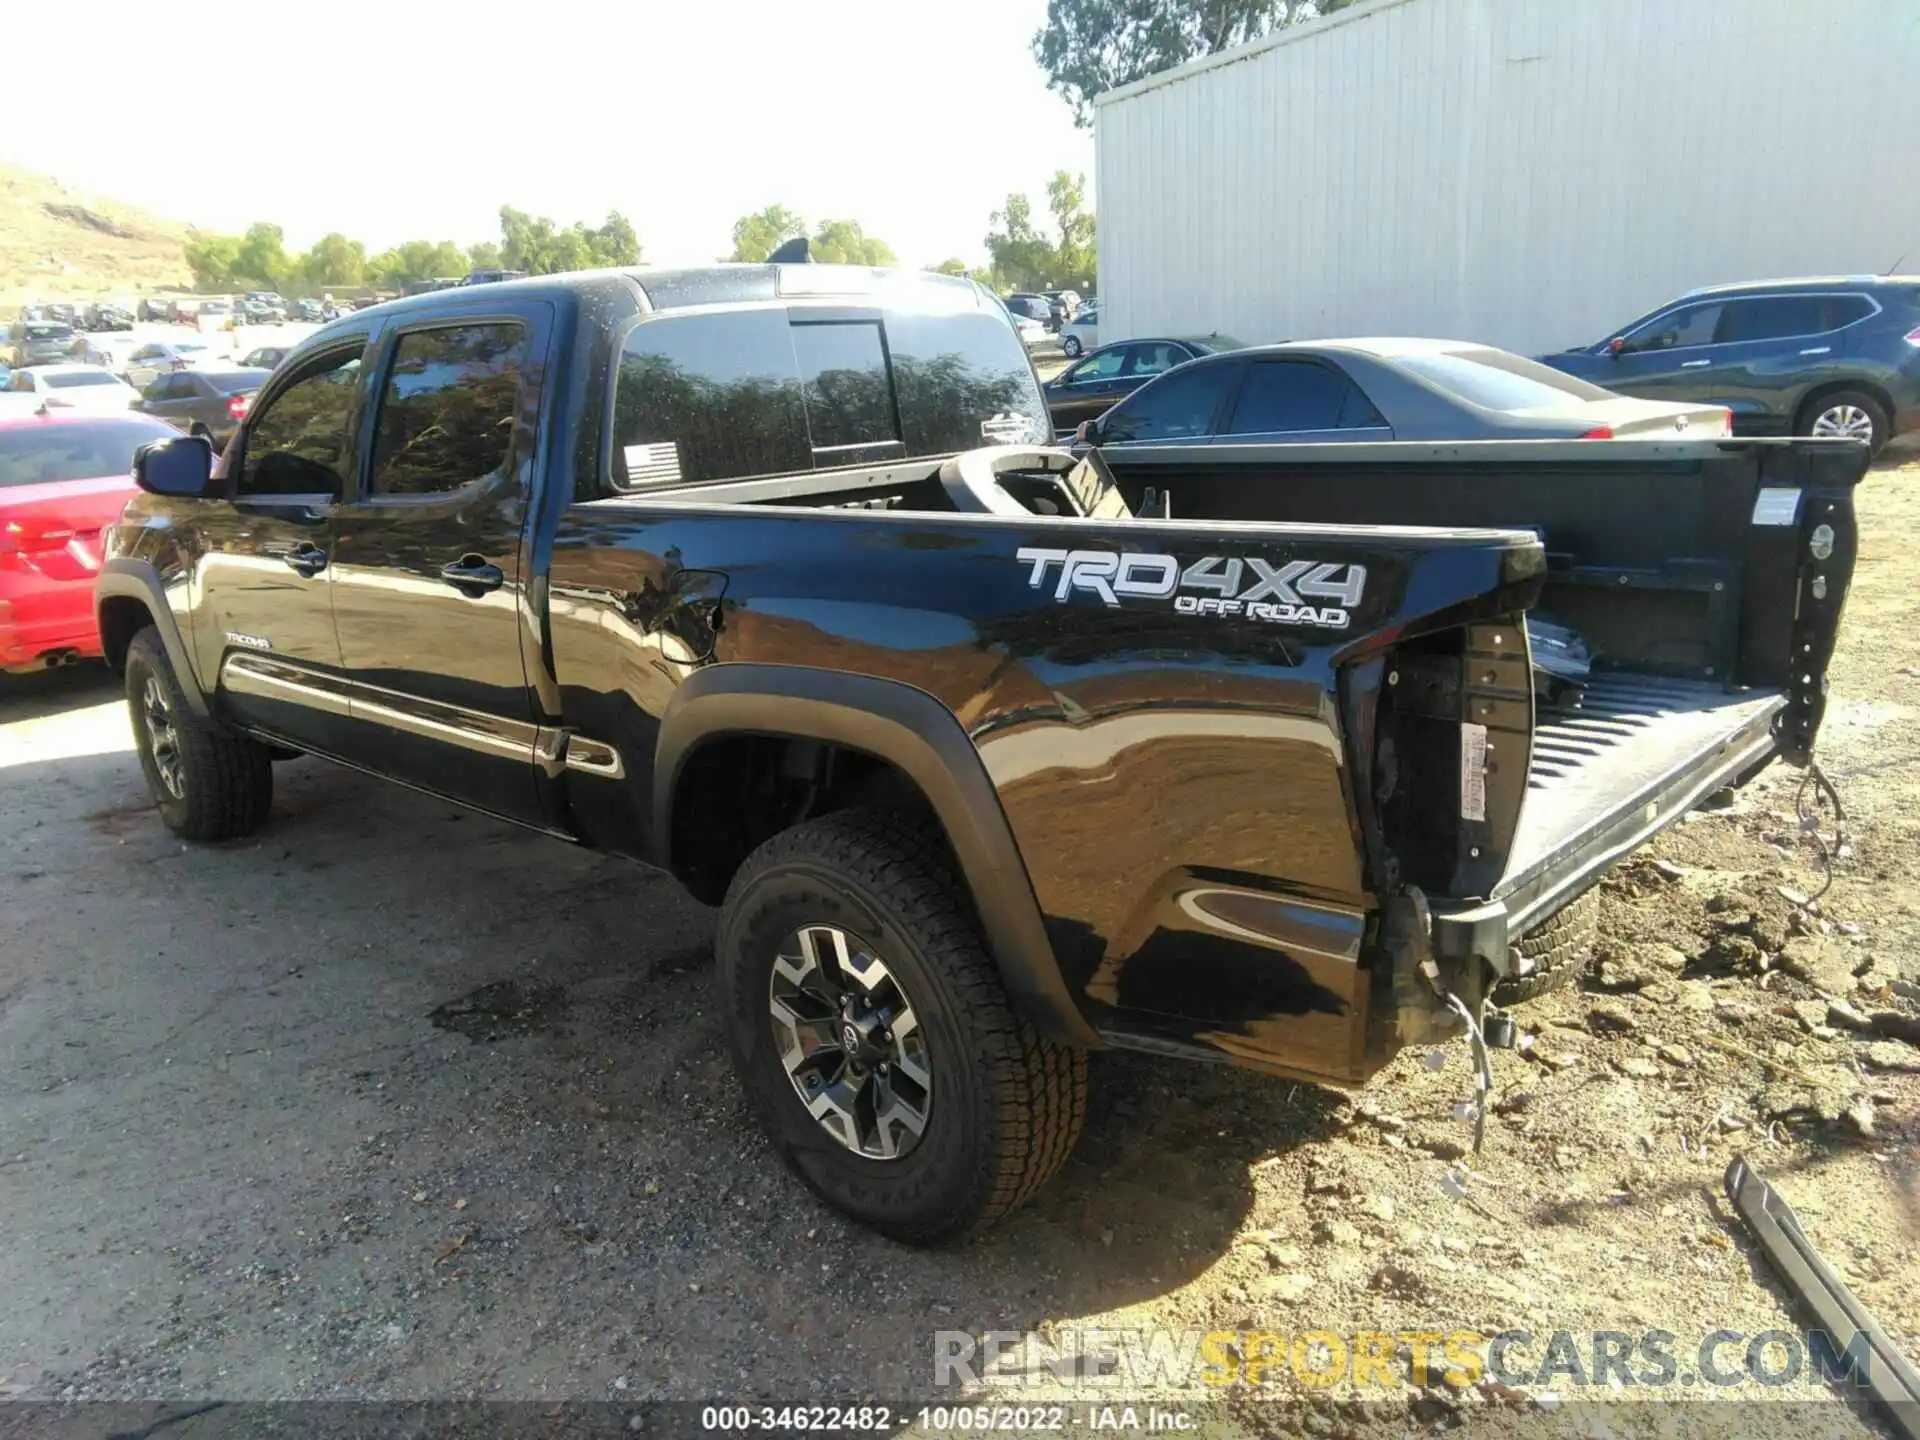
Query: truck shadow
point(532, 1028)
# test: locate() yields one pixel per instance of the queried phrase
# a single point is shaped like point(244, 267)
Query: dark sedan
point(1113, 372)
point(1351, 391)
point(203, 402)
point(266, 357)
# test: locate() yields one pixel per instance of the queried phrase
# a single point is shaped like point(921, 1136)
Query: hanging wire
point(1806, 805)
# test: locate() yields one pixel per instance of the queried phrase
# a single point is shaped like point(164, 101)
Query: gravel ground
point(395, 1102)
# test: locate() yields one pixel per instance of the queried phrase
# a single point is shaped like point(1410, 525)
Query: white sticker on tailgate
point(1473, 771)
point(1776, 506)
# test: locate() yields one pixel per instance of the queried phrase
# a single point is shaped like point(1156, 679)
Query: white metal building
point(1528, 173)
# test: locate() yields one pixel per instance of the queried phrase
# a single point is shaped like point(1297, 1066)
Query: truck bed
point(1624, 744)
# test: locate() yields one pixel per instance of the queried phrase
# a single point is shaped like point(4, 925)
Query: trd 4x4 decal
point(1233, 584)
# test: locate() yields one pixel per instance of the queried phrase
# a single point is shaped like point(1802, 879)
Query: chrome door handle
point(472, 576)
point(307, 560)
point(1694, 364)
point(1819, 350)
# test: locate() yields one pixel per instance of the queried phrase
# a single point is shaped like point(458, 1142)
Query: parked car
point(258, 312)
point(1082, 332)
point(64, 477)
point(1350, 391)
point(1031, 332)
point(92, 388)
point(1834, 356)
point(1109, 375)
point(106, 316)
point(43, 342)
point(1034, 307)
point(203, 401)
point(308, 311)
point(489, 277)
point(157, 309)
point(977, 785)
point(158, 357)
point(264, 358)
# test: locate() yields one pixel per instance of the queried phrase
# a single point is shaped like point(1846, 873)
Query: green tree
point(758, 235)
point(1022, 258)
point(1073, 254)
point(211, 259)
point(535, 244)
point(615, 242)
point(416, 260)
point(484, 256)
point(334, 261)
point(1088, 47)
point(843, 242)
point(260, 261)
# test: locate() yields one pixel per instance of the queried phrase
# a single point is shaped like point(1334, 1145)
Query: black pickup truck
point(988, 756)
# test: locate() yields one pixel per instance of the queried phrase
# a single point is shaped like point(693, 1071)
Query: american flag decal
point(655, 464)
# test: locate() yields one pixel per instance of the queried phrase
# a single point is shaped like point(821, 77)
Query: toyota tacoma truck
point(989, 756)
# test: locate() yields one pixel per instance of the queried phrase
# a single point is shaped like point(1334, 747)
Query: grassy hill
point(58, 244)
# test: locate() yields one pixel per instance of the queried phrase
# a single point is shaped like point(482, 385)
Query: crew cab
point(989, 755)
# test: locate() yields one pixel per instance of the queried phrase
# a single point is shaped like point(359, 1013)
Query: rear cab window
point(783, 388)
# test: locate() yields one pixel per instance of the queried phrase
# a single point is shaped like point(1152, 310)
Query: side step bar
point(1833, 1307)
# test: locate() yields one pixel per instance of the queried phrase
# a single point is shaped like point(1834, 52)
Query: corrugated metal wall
point(1529, 173)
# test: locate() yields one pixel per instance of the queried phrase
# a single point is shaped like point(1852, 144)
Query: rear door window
point(1155, 357)
point(1104, 366)
point(1771, 317)
point(708, 397)
point(1178, 406)
point(962, 378)
point(447, 410)
point(1286, 395)
point(844, 384)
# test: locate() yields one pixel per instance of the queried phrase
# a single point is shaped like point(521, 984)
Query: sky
point(394, 120)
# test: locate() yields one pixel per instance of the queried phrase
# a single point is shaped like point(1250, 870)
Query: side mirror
point(1616, 344)
point(181, 467)
point(1087, 432)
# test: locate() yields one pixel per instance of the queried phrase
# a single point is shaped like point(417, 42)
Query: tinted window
point(1283, 395)
point(843, 379)
point(297, 444)
point(446, 412)
point(170, 386)
point(43, 454)
point(708, 397)
point(74, 378)
point(1771, 317)
point(1103, 366)
point(1214, 344)
point(1694, 326)
point(1495, 380)
point(1176, 407)
point(963, 379)
point(49, 332)
point(1838, 310)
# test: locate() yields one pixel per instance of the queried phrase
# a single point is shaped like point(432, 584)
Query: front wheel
point(873, 1036)
point(1071, 346)
point(1848, 414)
point(209, 783)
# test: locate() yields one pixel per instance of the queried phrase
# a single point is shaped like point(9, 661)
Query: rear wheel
point(209, 783)
point(1552, 955)
point(1850, 414)
point(875, 1041)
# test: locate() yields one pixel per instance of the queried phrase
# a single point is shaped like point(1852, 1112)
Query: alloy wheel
point(850, 1042)
point(163, 741)
point(1849, 421)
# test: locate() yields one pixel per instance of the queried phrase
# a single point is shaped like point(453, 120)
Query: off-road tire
point(228, 778)
point(1560, 951)
point(1875, 412)
point(1007, 1104)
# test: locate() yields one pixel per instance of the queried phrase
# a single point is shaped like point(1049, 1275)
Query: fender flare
point(912, 730)
point(125, 577)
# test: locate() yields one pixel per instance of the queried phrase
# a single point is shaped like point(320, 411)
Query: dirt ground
point(396, 1102)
